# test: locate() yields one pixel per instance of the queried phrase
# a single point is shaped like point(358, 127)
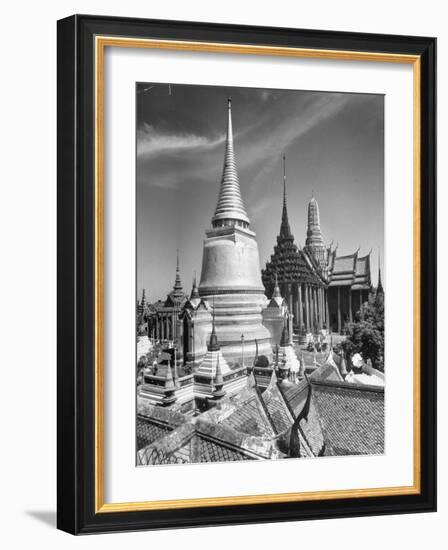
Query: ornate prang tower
point(231, 269)
point(314, 243)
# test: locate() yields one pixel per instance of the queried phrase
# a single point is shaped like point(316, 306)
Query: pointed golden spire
point(230, 204)
point(379, 289)
point(194, 289)
point(285, 230)
point(276, 293)
point(143, 302)
point(177, 288)
point(213, 344)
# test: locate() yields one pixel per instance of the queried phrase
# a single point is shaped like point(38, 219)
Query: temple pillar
point(321, 307)
point(299, 300)
point(312, 308)
point(307, 317)
point(327, 308)
point(289, 294)
point(339, 309)
point(319, 301)
point(308, 308)
point(296, 305)
point(350, 316)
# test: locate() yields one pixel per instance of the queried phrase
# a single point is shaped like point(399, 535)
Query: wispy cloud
point(173, 159)
point(150, 141)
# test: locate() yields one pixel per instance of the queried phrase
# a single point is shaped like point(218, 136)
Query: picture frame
point(82, 41)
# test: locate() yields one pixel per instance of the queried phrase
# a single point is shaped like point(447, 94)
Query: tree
point(366, 334)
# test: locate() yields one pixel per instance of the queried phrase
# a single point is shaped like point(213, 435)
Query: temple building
point(230, 276)
point(321, 289)
point(299, 278)
point(349, 285)
point(163, 319)
point(170, 384)
point(274, 315)
point(195, 328)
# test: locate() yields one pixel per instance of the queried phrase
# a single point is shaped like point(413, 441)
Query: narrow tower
point(230, 274)
point(379, 289)
point(178, 291)
point(285, 230)
point(314, 243)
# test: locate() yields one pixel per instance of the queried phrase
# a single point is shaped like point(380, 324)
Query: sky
point(334, 147)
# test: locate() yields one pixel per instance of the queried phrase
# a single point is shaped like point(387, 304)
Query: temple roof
point(281, 417)
point(318, 416)
point(349, 270)
point(328, 371)
point(204, 439)
point(251, 417)
point(148, 432)
point(230, 204)
point(310, 426)
point(288, 264)
point(352, 417)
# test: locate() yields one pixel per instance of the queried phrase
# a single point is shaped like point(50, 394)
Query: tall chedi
point(314, 244)
point(231, 277)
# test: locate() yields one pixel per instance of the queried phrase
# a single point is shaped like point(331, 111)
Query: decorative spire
point(314, 234)
point(177, 288)
point(213, 344)
point(276, 293)
point(284, 341)
point(218, 391)
point(194, 290)
point(285, 231)
point(230, 204)
point(379, 289)
point(143, 302)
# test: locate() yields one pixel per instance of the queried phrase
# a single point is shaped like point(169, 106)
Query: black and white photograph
point(260, 302)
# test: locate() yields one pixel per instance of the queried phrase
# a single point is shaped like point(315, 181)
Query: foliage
point(366, 334)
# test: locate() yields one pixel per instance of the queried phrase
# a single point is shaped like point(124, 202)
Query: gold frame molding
point(101, 42)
